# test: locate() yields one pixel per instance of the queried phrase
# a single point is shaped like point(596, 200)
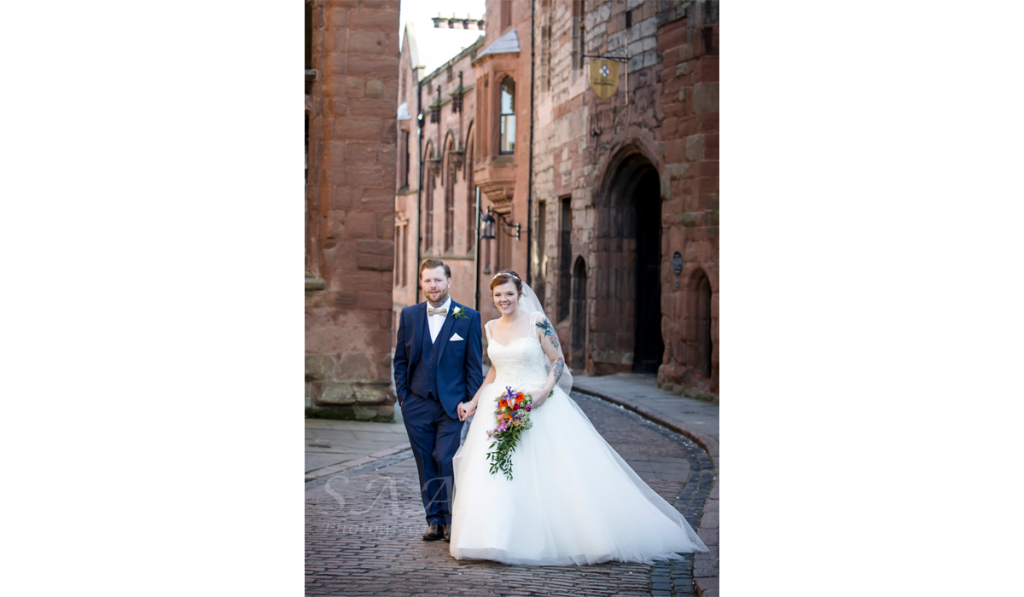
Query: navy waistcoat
point(424, 375)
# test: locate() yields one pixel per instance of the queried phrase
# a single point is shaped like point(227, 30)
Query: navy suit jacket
point(459, 369)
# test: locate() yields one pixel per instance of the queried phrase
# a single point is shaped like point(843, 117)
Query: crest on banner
point(604, 77)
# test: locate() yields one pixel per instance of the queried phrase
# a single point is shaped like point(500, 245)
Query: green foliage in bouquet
point(512, 416)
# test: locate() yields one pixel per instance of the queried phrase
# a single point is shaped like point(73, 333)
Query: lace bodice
point(521, 363)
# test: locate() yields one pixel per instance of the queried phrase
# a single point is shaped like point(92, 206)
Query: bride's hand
point(466, 410)
point(538, 397)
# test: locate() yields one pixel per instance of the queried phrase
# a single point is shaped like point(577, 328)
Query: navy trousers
point(434, 438)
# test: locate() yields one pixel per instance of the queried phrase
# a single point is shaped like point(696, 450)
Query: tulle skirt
point(572, 498)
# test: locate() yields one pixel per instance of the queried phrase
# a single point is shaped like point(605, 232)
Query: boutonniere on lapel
point(459, 313)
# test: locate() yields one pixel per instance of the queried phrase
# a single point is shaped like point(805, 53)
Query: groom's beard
point(439, 302)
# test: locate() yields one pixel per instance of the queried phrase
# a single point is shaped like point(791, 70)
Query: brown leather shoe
point(433, 533)
point(448, 532)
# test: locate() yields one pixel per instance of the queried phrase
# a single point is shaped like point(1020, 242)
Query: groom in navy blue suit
point(437, 366)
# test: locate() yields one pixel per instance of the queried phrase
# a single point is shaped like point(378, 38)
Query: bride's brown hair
point(506, 276)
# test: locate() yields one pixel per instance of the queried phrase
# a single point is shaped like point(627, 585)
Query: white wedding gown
point(572, 498)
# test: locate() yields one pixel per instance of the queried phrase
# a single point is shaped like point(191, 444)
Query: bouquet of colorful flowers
point(513, 418)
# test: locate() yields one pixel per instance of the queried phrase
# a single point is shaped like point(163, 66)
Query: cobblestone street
point(363, 526)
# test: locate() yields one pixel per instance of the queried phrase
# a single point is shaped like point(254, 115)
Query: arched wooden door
point(626, 267)
point(649, 346)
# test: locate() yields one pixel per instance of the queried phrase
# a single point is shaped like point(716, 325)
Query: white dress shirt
point(436, 321)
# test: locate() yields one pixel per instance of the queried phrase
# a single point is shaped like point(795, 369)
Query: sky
point(436, 46)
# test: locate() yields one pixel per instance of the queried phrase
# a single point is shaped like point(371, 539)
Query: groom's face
point(435, 284)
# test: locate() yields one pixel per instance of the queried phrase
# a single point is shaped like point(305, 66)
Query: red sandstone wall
point(350, 206)
point(689, 101)
point(588, 149)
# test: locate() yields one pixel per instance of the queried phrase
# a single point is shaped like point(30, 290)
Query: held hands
point(466, 410)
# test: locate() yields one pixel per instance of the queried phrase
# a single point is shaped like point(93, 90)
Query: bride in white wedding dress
point(572, 498)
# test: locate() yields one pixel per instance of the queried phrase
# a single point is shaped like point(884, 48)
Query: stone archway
point(700, 316)
point(626, 331)
point(649, 346)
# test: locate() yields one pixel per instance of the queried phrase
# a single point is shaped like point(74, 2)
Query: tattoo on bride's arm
point(557, 369)
point(549, 331)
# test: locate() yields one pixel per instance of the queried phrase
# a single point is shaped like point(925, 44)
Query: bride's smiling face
point(506, 297)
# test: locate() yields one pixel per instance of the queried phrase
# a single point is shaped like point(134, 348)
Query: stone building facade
point(622, 187)
point(351, 88)
point(502, 164)
point(435, 200)
point(617, 201)
point(407, 184)
point(467, 118)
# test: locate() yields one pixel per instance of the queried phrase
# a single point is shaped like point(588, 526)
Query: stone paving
point(334, 446)
point(641, 390)
point(696, 420)
point(364, 521)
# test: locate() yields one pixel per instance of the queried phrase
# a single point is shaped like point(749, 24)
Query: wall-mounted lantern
point(488, 225)
point(507, 227)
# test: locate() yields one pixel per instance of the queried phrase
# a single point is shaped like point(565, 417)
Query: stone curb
point(707, 585)
point(342, 466)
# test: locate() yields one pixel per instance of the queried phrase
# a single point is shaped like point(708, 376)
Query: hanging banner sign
point(604, 77)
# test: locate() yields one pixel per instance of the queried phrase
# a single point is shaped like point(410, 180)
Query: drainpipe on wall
point(529, 188)
point(476, 253)
point(419, 182)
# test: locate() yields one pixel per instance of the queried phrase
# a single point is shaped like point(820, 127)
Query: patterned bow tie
point(433, 311)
